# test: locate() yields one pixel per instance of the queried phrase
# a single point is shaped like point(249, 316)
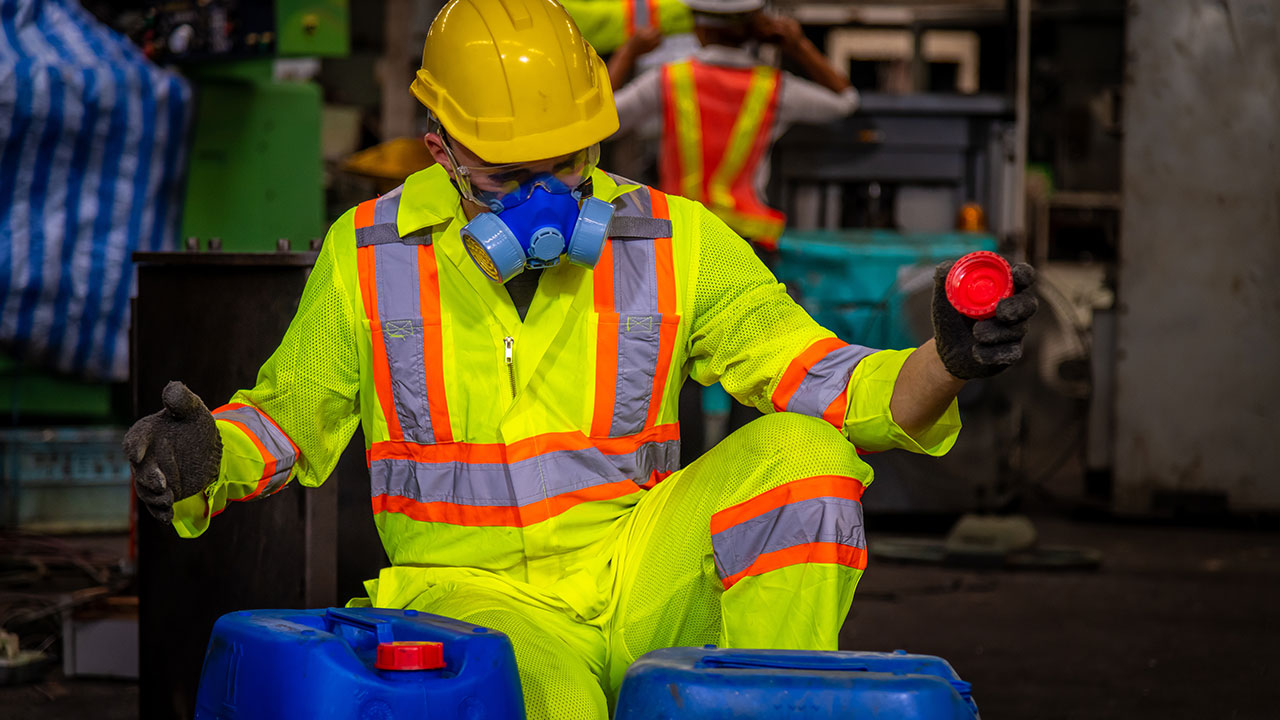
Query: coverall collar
point(430, 199)
point(430, 203)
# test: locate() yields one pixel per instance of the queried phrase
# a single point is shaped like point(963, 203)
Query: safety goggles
point(504, 186)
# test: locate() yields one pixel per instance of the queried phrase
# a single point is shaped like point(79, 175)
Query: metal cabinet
point(210, 320)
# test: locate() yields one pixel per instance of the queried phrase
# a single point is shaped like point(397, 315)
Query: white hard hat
point(725, 7)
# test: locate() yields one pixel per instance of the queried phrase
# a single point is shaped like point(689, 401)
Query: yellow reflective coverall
point(525, 475)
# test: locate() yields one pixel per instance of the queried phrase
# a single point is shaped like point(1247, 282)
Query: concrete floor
point(1178, 623)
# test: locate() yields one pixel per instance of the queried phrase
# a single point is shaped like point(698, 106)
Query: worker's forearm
point(924, 390)
point(621, 65)
point(815, 65)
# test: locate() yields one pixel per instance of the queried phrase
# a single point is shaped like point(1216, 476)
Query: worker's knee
point(785, 428)
point(796, 440)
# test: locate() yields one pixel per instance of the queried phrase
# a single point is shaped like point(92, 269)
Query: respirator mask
point(538, 211)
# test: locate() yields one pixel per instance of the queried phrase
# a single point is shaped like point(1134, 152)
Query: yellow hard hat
point(514, 80)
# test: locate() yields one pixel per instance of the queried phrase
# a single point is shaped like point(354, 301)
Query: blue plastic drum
point(715, 684)
point(349, 664)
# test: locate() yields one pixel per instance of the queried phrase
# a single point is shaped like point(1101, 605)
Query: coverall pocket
point(644, 348)
point(412, 352)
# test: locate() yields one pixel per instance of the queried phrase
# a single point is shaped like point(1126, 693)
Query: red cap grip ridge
point(409, 655)
point(977, 283)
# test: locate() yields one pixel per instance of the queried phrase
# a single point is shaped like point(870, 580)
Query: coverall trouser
point(669, 567)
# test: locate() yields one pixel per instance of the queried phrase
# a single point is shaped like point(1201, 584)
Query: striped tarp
point(92, 148)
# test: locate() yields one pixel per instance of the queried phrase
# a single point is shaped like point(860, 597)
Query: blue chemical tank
point(719, 684)
point(356, 664)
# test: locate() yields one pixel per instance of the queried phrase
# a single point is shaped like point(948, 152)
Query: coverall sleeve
point(766, 351)
point(296, 420)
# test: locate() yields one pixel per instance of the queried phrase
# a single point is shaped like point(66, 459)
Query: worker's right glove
point(972, 349)
point(175, 453)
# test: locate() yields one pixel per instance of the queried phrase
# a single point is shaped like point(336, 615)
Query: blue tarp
point(91, 168)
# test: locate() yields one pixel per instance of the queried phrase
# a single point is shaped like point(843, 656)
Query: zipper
point(509, 344)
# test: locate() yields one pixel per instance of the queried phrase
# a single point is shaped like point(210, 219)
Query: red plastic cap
point(978, 282)
point(410, 656)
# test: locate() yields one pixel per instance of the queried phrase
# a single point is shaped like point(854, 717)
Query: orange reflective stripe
point(822, 552)
point(795, 491)
point(629, 15)
point(365, 260)
point(364, 213)
point(503, 516)
point(433, 343)
point(631, 443)
point(520, 450)
point(606, 344)
point(655, 477)
point(799, 367)
point(664, 258)
point(835, 412)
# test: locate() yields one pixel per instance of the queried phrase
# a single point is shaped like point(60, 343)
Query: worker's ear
point(435, 144)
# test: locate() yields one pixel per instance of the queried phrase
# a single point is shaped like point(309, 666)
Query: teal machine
point(871, 287)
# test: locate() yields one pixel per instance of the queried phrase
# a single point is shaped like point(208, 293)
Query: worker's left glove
point(972, 349)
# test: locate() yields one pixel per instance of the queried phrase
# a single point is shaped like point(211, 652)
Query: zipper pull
point(509, 343)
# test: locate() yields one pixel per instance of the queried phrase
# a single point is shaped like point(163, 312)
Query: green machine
point(255, 170)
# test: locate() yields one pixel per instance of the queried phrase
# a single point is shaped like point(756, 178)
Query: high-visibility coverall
point(524, 475)
point(701, 161)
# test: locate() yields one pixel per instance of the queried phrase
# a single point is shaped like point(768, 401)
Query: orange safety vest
point(718, 122)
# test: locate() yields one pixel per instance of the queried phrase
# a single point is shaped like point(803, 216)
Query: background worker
point(722, 109)
point(524, 464)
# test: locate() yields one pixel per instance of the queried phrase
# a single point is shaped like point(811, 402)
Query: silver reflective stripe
point(387, 208)
point(635, 288)
point(822, 519)
point(636, 203)
point(651, 457)
point(827, 380)
point(519, 483)
point(384, 230)
point(400, 314)
point(641, 16)
point(635, 277)
point(275, 442)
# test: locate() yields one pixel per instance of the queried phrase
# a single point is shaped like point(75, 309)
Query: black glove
point(175, 453)
point(971, 348)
